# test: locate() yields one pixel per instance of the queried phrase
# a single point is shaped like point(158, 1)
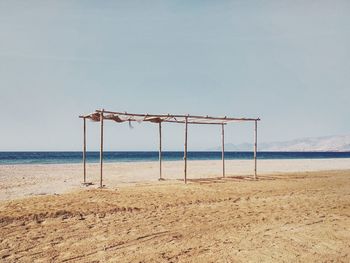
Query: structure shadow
point(219, 179)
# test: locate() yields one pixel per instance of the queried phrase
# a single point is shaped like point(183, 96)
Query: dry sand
point(301, 217)
point(28, 180)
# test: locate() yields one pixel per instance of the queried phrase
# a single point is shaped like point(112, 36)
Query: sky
point(287, 62)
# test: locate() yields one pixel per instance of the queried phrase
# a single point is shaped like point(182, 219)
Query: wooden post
point(160, 151)
point(223, 149)
point(185, 152)
point(255, 148)
point(84, 151)
point(101, 148)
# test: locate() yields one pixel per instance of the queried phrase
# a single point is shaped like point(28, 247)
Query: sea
point(10, 158)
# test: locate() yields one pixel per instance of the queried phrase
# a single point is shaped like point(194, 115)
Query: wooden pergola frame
point(119, 117)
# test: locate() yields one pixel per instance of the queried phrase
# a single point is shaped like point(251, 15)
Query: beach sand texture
point(296, 217)
point(28, 180)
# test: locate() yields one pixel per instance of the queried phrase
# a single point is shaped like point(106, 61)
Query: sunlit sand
point(280, 217)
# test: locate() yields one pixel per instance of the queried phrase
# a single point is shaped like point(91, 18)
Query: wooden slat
point(160, 151)
point(185, 151)
point(223, 149)
point(84, 151)
point(255, 148)
point(101, 149)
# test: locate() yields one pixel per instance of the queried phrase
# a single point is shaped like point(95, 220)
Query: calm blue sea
point(93, 157)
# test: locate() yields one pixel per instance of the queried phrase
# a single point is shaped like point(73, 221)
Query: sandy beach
point(211, 131)
point(27, 180)
point(295, 217)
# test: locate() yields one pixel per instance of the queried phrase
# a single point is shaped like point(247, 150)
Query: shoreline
point(28, 158)
point(23, 180)
point(171, 161)
point(18, 181)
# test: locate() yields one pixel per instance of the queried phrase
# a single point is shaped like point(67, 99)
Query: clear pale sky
point(285, 61)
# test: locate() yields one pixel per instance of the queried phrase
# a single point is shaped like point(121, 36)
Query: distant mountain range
point(340, 143)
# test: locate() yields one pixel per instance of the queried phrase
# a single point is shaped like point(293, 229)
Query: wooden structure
point(119, 117)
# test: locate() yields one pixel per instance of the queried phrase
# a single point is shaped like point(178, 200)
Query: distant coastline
point(335, 143)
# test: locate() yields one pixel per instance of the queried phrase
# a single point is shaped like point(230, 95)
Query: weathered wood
point(84, 152)
point(185, 151)
point(160, 151)
point(223, 149)
point(255, 148)
point(194, 122)
point(220, 122)
point(98, 116)
point(101, 149)
point(181, 116)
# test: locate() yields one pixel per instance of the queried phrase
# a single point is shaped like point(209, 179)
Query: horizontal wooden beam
point(170, 121)
point(180, 116)
point(197, 122)
point(87, 115)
